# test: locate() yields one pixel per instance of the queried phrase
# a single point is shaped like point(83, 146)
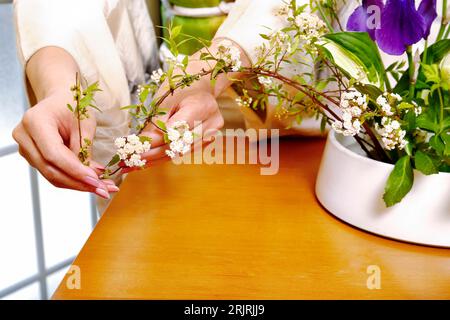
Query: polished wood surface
point(227, 232)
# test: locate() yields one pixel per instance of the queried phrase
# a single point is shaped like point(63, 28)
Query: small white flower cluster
point(285, 10)
point(180, 137)
point(265, 81)
point(174, 61)
point(230, 54)
point(139, 89)
point(391, 134)
point(353, 104)
point(244, 101)
point(130, 148)
point(386, 100)
point(280, 42)
point(157, 76)
point(310, 26)
point(417, 109)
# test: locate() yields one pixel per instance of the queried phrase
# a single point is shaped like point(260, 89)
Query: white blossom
point(188, 137)
point(157, 75)
point(130, 149)
point(120, 142)
point(174, 61)
point(353, 103)
point(310, 26)
point(244, 101)
point(284, 10)
point(417, 108)
point(386, 101)
point(173, 134)
point(265, 81)
point(180, 137)
point(230, 54)
point(391, 134)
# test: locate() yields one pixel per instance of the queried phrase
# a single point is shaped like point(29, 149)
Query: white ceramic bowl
point(350, 186)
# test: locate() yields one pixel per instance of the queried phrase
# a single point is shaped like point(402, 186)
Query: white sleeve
point(78, 26)
point(248, 19)
point(81, 28)
point(42, 23)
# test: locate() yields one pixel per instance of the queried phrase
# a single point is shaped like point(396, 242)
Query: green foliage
point(115, 159)
point(435, 53)
point(83, 154)
point(360, 47)
point(83, 100)
point(400, 181)
point(424, 163)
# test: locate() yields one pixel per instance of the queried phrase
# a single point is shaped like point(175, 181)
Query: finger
point(53, 174)
point(52, 148)
point(188, 110)
point(99, 169)
point(111, 185)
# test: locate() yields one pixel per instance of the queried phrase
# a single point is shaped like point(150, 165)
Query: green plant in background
point(201, 28)
point(195, 3)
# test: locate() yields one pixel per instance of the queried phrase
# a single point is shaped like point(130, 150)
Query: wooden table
point(226, 232)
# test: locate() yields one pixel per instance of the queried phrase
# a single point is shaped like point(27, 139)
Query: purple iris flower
point(427, 9)
point(401, 23)
point(360, 18)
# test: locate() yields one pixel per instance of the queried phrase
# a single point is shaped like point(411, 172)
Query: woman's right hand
point(48, 139)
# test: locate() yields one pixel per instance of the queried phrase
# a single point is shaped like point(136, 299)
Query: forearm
point(51, 70)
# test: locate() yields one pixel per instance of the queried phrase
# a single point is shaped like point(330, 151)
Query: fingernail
point(113, 189)
point(102, 193)
point(109, 182)
point(92, 182)
point(98, 167)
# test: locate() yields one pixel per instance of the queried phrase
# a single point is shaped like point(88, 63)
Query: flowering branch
point(343, 80)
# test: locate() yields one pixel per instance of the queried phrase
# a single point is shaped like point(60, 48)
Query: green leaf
point(410, 119)
point(323, 124)
point(175, 31)
point(372, 91)
point(132, 106)
point(114, 160)
point(400, 181)
point(361, 46)
point(145, 138)
point(425, 121)
point(143, 95)
point(424, 163)
point(166, 138)
point(437, 144)
point(161, 125)
point(431, 73)
point(70, 107)
point(437, 51)
point(446, 139)
point(185, 61)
